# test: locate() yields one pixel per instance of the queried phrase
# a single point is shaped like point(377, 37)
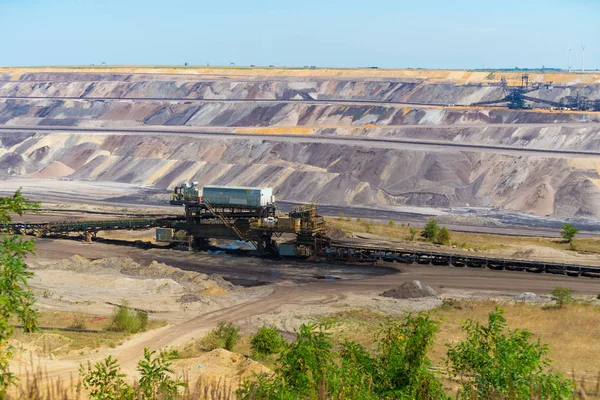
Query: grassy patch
point(572, 332)
point(466, 240)
point(62, 342)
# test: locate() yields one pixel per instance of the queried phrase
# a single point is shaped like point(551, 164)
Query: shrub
point(431, 230)
point(155, 381)
point(504, 365)
point(127, 320)
point(266, 341)
point(443, 236)
point(412, 233)
point(562, 295)
point(105, 380)
point(391, 222)
point(79, 321)
point(209, 342)
point(224, 336)
point(310, 368)
point(568, 232)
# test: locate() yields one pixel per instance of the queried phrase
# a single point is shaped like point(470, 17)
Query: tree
point(562, 295)
point(16, 298)
point(431, 230)
point(443, 236)
point(568, 232)
point(504, 364)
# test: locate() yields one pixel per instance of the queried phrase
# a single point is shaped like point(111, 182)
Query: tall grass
point(38, 385)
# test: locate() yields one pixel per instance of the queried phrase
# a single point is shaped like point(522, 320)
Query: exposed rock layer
point(310, 169)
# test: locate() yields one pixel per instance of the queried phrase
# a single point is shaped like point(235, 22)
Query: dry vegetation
point(466, 240)
point(572, 332)
point(60, 343)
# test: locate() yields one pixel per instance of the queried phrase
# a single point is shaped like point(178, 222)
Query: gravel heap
point(410, 290)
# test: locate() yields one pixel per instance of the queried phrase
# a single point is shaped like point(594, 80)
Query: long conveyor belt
point(338, 251)
point(63, 227)
point(353, 252)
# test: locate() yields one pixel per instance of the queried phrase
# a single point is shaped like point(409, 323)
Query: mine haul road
point(387, 143)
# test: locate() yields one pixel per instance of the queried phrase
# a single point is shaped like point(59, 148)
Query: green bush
point(105, 381)
point(431, 230)
point(266, 341)
point(391, 222)
point(155, 371)
point(224, 336)
point(504, 365)
point(412, 233)
point(443, 236)
point(124, 319)
point(310, 367)
point(210, 342)
point(562, 295)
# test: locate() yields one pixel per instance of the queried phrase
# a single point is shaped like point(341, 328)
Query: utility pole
point(569, 64)
point(582, 57)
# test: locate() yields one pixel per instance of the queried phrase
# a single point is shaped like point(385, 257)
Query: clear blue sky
point(339, 33)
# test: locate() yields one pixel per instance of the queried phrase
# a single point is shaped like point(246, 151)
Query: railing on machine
point(228, 223)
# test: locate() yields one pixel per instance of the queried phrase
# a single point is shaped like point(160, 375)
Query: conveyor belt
point(45, 228)
point(338, 251)
point(351, 252)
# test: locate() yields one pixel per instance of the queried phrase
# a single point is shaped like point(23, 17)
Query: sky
point(326, 33)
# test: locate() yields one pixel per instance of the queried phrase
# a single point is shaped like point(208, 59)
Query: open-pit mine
point(383, 143)
point(501, 158)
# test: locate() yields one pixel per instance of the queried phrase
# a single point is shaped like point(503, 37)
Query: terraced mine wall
point(333, 141)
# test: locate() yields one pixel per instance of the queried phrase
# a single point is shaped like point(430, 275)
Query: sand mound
point(410, 290)
point(214, 291)
point(162, 277)
point(55, 169)
point(220, 369)
point(226, 363)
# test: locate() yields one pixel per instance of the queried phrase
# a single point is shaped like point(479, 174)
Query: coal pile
point(410, 290)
